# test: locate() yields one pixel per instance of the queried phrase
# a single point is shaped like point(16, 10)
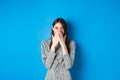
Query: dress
point(58, 65)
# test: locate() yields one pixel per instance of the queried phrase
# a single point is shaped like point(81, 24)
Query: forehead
point(58, 25)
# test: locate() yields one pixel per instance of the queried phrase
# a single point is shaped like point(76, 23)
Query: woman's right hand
point(55, 41)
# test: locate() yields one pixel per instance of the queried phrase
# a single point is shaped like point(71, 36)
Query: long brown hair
point(62, 21)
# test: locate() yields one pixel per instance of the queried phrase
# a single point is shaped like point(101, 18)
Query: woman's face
point(58, 28)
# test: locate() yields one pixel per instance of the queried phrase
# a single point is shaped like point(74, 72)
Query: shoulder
point(45, 42)
point(71, 42)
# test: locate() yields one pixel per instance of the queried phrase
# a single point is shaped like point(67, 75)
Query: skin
point(59, 38)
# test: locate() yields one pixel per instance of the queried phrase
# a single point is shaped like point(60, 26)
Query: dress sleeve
point(69, 57)
point(47, 55)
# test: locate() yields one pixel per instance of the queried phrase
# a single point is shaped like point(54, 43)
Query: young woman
point(58, 53)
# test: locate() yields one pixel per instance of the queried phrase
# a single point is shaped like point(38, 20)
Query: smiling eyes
point(56, 27)
point(61, 28)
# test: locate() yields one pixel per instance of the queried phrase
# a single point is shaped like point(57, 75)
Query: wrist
point(53, 48)
point(63, 46)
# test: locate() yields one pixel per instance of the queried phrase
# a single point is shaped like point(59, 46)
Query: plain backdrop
point(93, 24)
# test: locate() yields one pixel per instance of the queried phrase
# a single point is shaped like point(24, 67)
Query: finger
point(65, 37)
point(57, 34)
point(61, 35)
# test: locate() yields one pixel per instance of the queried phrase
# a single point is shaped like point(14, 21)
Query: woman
point(58, 53)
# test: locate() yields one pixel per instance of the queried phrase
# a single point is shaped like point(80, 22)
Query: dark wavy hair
point(62, 21)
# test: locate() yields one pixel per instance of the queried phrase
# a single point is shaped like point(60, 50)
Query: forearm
point(50, 59)
point(67, 61)
point(53, 48)
point(66, 57)
point(69, 56)
point(51, 56)
point(64, 49)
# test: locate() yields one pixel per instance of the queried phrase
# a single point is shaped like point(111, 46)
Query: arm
point(48, 55)
point(69, 57)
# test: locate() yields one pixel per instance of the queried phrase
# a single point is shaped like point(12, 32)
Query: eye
point(56, 27)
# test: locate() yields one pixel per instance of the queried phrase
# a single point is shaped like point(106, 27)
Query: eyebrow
point(60, 26)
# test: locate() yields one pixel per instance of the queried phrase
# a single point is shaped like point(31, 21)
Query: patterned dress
point(58, 65)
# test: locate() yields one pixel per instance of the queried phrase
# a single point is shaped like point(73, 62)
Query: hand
point(62, 43)
point(55, 41)
point(62, 39)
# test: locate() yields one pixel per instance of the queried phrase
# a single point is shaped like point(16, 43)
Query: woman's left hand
point(62, 39)
point(62, 43)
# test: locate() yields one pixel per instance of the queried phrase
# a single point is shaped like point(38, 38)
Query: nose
point(59, 29)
